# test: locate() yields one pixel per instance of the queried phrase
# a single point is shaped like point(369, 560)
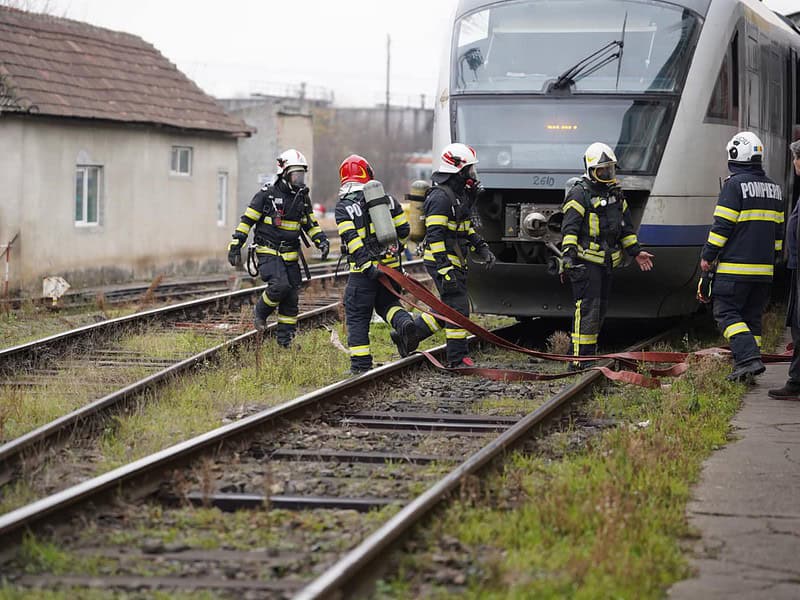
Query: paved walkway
point(747, 505)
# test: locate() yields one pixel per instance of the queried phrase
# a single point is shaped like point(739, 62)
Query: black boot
point(746, 372)
point(408, 340)
point(790, 391)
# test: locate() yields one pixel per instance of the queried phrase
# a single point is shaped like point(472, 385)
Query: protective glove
point(235, 252)
point(324, 247)
point(449, 282)
point(372, 272)
point(487, 256)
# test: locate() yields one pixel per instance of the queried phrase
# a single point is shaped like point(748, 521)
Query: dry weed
point(559, 342)
point(149, 295)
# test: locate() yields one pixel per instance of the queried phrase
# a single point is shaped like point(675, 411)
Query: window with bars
point(88, 186)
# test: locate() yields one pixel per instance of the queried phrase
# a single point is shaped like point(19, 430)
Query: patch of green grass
point(604, 521)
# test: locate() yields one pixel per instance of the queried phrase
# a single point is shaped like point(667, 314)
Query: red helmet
point(355, 169)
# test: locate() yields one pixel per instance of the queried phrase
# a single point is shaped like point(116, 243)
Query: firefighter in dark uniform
point(364, 293)
point(596, 229)
point(450, 235)
point(279, 211)
point(741, 249)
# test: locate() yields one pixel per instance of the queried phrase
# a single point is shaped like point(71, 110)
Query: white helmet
point(291, 160)
point(600, 163)
point(455, 157)
point(745, 147)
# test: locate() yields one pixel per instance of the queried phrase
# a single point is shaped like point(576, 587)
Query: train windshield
point(552, 134)
point(526, 46)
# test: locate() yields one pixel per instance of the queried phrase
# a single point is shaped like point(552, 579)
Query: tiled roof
point(58, 67)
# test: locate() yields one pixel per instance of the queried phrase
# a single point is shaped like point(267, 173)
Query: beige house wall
point(151, 221)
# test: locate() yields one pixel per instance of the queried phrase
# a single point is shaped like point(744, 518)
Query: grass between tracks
point(604, 520)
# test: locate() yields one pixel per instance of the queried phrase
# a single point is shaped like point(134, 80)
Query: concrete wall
point(151, 222)
point(281, 123)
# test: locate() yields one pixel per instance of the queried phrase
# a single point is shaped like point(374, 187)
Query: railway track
point(298, 500)
point(86, 373)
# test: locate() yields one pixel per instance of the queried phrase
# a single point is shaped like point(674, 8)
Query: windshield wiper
point(586, 66)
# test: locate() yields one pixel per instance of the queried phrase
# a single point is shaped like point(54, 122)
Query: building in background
point(114, 165)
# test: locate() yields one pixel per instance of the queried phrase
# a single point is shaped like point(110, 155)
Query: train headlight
point(504, 158)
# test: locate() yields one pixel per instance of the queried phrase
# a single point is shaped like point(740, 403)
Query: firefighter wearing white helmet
point(278, 213)
point(597, 229)
point(450, 236)
point(745, 240)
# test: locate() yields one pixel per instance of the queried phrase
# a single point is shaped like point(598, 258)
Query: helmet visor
point(605, 173)
point(297, 178)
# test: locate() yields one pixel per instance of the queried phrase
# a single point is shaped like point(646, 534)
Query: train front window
point(525, 46)
point(550, 134)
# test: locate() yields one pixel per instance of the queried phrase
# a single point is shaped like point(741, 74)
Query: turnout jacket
point(449, 233)
point(748, 225)
point(357, 231)
point(278, 214)
point(597, 224)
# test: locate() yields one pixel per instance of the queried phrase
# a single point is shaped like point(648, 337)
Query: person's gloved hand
point(449, 282)
point(487, 256)
point(235, 252)
point(372, 272)
point(324, 247)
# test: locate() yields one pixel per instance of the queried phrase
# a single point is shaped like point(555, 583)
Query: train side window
point(724, 104)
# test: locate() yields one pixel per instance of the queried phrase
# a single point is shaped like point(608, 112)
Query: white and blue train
point(531, 83)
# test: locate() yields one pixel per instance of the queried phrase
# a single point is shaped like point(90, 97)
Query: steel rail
point(349, 572)
point(11, 452)
point(31, 348)
point(15, 522)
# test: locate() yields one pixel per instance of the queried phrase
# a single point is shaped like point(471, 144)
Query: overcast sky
point(237, 47)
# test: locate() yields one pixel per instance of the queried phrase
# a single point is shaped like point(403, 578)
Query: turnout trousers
point(591, 287)
point(457, 299)
point(738, 307)
point(793, 322)
point(283, 284)
point(364, 295)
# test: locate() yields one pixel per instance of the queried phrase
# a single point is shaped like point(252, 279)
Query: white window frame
point(84, 220)
point(175, 161)
point(222, 197)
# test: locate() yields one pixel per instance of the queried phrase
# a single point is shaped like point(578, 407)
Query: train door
point(793, 105)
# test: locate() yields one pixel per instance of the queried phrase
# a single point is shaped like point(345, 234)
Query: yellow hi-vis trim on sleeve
point(252, 213)
point(576, 206)
point(345, 226)
point(354, 245)
point(629, 240)
point(570, 240)
point(717, 240)
point(735, 329)
point(433, 220)
point(437, 247)
point(316, 230)
point(400, 219)
point(243, 228)
point(726, 213)
point(391, 313)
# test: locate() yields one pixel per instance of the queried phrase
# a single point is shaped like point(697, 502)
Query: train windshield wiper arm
point(586, 66)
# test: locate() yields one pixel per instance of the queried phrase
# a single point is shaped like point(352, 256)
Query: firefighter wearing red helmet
point(450, 236)
point(361, 227)
point(278, 212)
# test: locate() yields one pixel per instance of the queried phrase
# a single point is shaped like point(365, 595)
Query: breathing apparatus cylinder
point(416, 218)
point(380, 214)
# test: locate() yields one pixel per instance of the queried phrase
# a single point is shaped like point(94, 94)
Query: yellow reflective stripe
point(576, 330)
point(735, 329)
point(266, 250)
point(287, 320)
point(726, 213)
point(629, 240)
point(289, 225)
point(716, 239)
point(594, 225)
point(598, 260)
point(616, 258)
point(252, 213)
point(454, 260)
point(584, 339)
point(354, 245)
point(392, 312)
point(456, 334)
point(624, 205)
point(243, 228)
point(744, 269)
point(773, 216)
point(345, 226)
point(400, 219)
point(269, 302)
point(267, 219)
point(575, 205)
point(434, 220)
point(314, 231)
point(390, 261)
point(445, 270)
point(437, 247)
point(570, 240)
point(778, 245)
point(463, 226)
point(431, 322)
point(359, 350)
point(364, 267)
point(362, 232)
point(233, 243)
point(758, 340)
